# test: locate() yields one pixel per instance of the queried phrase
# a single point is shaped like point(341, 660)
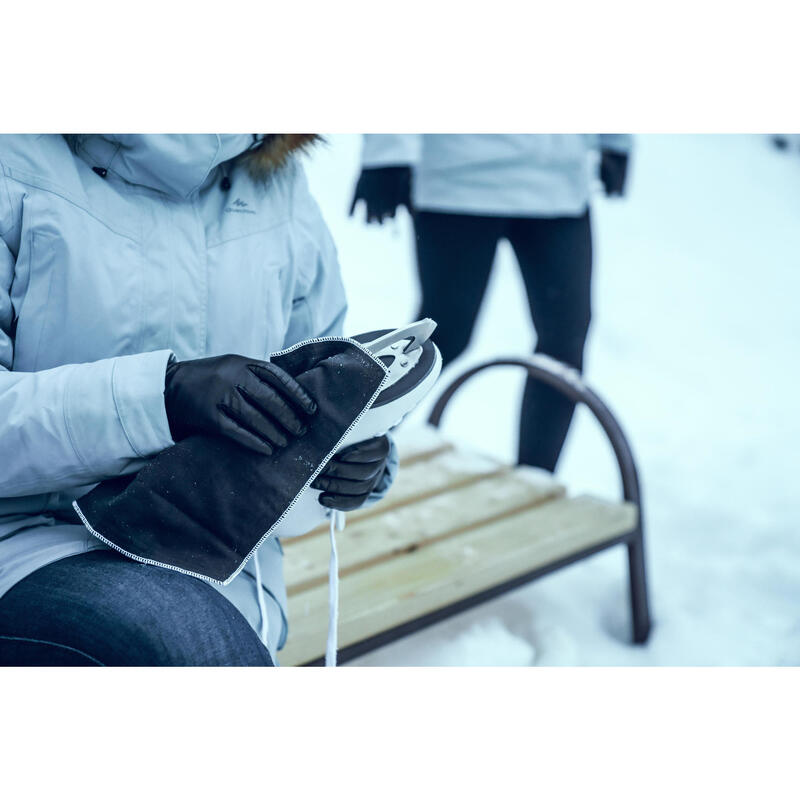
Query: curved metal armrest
point(570, 383)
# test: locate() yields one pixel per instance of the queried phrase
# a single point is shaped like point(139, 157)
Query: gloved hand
point(352, 474)
point(254, 403)
point(383, 189)
point(613, 171)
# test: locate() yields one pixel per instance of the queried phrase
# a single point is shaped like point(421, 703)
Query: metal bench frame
point(569, 382)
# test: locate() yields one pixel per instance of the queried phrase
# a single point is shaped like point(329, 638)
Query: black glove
point(255, 403)
point(383, 189)
point(352, 474)
point(613, 171)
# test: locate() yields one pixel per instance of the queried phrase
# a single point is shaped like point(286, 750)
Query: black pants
point(455, 253)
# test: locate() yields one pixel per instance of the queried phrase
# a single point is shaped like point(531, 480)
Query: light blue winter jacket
point(102, 279)
point(505, 174)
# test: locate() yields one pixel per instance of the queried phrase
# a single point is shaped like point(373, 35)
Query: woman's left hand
point(352, 474)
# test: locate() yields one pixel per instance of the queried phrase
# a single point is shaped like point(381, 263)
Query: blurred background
point(694, 345)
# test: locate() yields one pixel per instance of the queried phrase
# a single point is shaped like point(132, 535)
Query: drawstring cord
point(262, 605)
point(225, 184)
point(337, 524)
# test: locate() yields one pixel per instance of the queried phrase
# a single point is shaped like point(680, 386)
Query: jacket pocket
point(250, 293)
point(30, 295)
point(77, 288)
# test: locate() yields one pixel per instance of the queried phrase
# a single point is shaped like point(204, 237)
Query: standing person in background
point(468, 191)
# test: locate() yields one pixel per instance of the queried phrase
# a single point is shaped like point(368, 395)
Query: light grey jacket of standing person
point(116, 252)
point(502, 174)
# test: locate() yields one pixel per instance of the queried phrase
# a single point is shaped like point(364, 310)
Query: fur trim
point(274, 152)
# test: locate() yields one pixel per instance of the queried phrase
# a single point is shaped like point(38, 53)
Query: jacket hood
point(179, 164)
point(274, 150)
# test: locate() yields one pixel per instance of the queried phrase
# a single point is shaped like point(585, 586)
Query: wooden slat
point(408, 586)
point(441, 472)
point(418, 443)
point(368, 541)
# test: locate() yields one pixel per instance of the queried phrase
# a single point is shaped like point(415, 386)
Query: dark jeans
point(455, 253)
point(100, 609)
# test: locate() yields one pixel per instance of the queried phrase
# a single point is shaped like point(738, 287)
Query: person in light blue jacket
point(468, 191)
point(120, 256)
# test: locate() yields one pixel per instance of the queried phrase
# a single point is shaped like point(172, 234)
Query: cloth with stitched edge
point(204, 505)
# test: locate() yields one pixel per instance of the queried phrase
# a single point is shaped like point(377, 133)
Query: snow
point(694, 344)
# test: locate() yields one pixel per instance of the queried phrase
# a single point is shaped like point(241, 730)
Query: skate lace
point(337, 523)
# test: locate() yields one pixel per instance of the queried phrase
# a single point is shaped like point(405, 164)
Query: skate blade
point(418, 332)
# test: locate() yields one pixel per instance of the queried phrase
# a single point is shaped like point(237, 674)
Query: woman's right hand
point(255, 403)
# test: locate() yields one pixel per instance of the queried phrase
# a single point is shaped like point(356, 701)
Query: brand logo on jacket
point(238, 206)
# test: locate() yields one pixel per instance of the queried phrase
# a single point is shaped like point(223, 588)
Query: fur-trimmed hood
point(179, 164)
point(274, 150)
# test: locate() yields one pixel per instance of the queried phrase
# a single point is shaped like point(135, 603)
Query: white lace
point(337, 523)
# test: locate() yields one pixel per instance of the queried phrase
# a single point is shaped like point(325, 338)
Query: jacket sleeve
point(618, 142)
point(391, 149)
point(319, 305)
point(390, 473)
point(75, 424)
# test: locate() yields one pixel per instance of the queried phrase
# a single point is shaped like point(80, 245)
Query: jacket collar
point(179, 164)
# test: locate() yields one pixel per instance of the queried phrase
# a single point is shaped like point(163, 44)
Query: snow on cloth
point(507, 174)
point(204, 505)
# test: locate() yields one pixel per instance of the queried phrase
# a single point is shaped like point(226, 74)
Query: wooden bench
point(456, 529)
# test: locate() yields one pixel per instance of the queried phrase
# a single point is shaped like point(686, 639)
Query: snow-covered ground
point(694, 344)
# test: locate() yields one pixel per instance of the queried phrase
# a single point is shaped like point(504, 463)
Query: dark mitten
point(383, 189)
point(613, 172)
point(254, 403)
point(352, 474)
